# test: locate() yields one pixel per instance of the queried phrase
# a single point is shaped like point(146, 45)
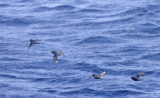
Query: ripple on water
point(4, 5)
point(91, 11)
point(64, 7)
point(135, 11)
point(126, 92)
point(96, 40)
point(42, 9)
point(24, 21)
point(47, 90)
point(60, 8)
point(155, 57)
point(87, 92)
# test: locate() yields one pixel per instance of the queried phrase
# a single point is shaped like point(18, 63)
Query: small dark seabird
point(137, 77)
point(56, 54)
point(32, 42)
point(98, 76)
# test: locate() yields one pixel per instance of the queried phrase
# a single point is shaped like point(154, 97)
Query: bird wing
point(37, 42)
point(139, 74)
point(55, 59)
point(53, 52)
point(30, 45)
point(102, 73)
point(58, 53)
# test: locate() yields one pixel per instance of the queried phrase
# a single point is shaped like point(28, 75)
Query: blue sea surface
point(120, 37)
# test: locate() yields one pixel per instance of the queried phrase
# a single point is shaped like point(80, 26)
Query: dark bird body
point(32, 42)
point(56, 54)
point(137, 77)
point(98, 76)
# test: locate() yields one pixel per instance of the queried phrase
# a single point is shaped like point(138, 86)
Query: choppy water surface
point(121, 37)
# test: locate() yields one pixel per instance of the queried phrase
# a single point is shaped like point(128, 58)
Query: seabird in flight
point(32, 42)
point(56, 54)
point(98, 76)
point(137, 77)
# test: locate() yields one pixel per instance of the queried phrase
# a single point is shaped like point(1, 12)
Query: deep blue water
point(121, 37)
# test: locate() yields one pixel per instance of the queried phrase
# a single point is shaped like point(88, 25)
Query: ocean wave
point(85, 91)
point(60, 8)
point(53, 40)
point(155, 56)
point(91, 11)
point(139, 11)
point(96, 40)
point(42, 9)
point(137, 36)
point(130, 50)
point(24, 1)
point(150, 29)
point(25, 21)
point(10, 59)
point(87, 67)
point(99, 24)
point(4, 5)
point(40, 79)
point(148, 24)
point(126, 92)
point(153, 7)
point(64, 7)
point(47, 90)
point(8, 76)
point(4, 19)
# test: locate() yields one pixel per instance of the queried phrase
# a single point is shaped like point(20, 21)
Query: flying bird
point(137, 77)
point(56, 54)
point(32, 42)
point(98, 76)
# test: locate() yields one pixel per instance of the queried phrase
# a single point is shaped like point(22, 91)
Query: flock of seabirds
point(95, 76)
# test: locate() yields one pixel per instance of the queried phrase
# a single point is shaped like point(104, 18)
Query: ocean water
point(120, 37)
